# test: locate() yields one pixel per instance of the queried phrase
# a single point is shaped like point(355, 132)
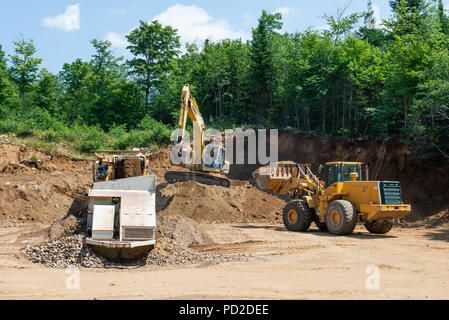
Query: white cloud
point(194, 24)
point(117, 40)
point(67, 21)
point(285, 11)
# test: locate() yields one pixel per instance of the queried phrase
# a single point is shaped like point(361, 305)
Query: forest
point(348, 80)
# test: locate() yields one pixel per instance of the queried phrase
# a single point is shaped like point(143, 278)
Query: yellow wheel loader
point(338, 202)
point(206, 159)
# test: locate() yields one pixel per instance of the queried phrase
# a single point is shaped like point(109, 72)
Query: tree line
point(347, 80)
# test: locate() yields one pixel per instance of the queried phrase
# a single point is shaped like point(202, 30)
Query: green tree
point(106, 75)
point(24, 67)
point(410, 17)
point(417, 5)
point(105, 66)
point(47, 92)
point(442, 17)
point(6, 89)
point(375, 37)
point(340, 25)
point(262, 58)
point(155, 48)
point(77, 100)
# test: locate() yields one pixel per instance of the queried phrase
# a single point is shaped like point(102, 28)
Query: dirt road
point(411, 263)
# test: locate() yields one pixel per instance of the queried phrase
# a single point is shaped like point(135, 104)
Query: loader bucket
point(276, 176)
point(262, 177)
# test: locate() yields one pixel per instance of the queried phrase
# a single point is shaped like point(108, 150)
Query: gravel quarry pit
point(216, 242)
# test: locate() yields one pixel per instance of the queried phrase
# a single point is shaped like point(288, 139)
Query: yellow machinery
point(205, 159)
point(336, 203)
point(113, 167)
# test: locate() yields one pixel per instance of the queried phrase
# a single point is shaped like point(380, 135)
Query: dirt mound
point(34, 185)
point(160, 164)
point(237, 204)
point(182, 230)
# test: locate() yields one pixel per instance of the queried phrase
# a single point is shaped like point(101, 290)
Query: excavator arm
point(189, 108)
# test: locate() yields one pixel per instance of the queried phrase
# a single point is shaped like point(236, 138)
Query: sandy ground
point(409, 263)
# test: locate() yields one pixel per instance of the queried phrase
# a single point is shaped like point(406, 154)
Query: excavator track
point(203, 178)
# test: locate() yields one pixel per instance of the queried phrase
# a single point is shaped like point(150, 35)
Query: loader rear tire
point(341, 217)
point(379, 226)
point(297, 216)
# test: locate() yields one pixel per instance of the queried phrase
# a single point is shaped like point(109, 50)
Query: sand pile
point(237, 204)
point(182, 230)
point(168, 253)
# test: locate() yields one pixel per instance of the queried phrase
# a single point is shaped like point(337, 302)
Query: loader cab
point(341, 172)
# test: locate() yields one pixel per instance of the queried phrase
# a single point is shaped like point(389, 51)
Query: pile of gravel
point(169, 253)
point(72, 251)
point(65, 252)
point(67, 247)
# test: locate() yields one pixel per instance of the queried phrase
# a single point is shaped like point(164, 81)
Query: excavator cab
point(215, 159)
point(341, 172)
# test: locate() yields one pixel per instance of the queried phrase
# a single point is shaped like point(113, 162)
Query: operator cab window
point(331, 175)
point(346, 171)
point(212, 157)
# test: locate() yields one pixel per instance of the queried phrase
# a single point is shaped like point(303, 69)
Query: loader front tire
point(297, 216)
point(341, 217)
point(379, 226)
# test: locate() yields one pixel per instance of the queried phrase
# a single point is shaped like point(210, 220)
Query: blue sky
point(62, 29)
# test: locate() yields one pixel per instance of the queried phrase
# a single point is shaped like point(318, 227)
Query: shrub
point(117, 131)
point(52, 136)
point(91, 138)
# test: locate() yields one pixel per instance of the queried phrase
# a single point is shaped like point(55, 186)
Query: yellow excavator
point(205, 159)
point(336, 203)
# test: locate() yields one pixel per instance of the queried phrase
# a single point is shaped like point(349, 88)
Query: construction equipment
point(112, 167)
point(207, 158)
point(336, 203)
point(121, 211)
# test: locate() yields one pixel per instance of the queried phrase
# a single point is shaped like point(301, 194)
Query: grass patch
point(38, 129)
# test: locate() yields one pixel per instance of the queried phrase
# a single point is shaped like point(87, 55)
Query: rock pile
point(73, 252)
point(65, 252)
